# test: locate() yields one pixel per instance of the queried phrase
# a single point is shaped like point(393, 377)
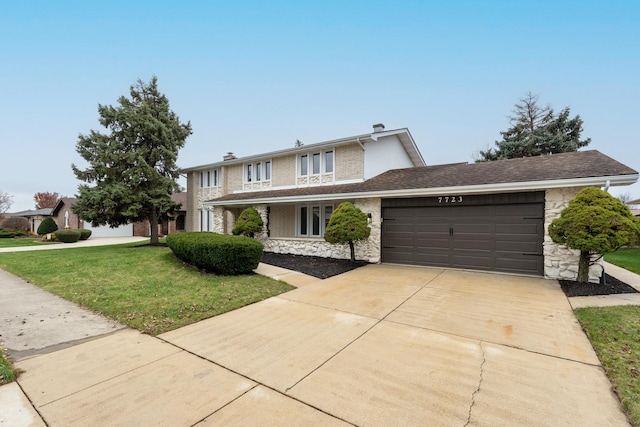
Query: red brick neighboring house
point(65, 218)
point(176, 225)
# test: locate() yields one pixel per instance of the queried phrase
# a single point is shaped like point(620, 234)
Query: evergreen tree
point(132, 168)
point(537, 130)
point(249, 222)
point(348, 224)
point(594, 223)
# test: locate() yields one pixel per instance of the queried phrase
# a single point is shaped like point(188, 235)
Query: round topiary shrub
point(48, 225)
point(68, 236)
point(248, 223)
point(84, 233)
point(218, 253)
point(15, 223)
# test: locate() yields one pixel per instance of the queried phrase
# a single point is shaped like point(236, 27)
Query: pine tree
point(132, 168)
point(537, 130)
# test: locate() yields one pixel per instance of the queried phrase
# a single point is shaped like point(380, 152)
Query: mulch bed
point(326, 267)
point(312, 265)
point(612, 285)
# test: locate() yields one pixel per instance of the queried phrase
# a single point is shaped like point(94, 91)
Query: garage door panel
point(499, 237)
point(521, 266)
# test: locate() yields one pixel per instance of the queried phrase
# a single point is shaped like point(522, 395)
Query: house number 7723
point(450, 199)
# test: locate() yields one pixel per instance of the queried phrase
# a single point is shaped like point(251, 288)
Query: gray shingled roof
point(566, 166)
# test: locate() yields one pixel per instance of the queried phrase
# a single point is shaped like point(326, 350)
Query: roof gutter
point(436, 191)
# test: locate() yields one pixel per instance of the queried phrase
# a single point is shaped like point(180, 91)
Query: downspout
point(607, 185)
point(360, 143)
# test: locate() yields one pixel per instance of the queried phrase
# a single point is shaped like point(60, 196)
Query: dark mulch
point(612, 285)
point(312, 265)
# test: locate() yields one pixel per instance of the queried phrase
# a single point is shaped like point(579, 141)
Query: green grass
point(23, 241)
point(7, 373)
point(627, 258)
point(614, 333)
point(144, 287)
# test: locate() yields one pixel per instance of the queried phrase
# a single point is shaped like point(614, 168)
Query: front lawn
point(144, 287)
point(614, 333)
point(627, 258)
point(23, 241)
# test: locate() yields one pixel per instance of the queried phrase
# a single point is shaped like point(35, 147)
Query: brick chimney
point(378, 128)
point(229, 156)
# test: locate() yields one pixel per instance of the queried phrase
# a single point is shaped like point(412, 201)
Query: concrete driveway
point(381, 345)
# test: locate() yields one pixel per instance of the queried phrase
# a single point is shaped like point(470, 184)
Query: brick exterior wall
point(283, 170)
point(349, 162)
point(232, 179)
point(193, 184)
point(282, 221)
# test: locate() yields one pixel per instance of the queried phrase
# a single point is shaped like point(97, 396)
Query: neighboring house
point(35, 217)
point(483, 216)
point(65, 218)
point(165, 227)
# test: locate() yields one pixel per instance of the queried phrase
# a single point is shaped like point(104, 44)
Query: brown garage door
point(490, 232)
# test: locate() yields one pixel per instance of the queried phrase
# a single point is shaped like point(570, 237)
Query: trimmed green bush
point(15, 223)
point(248, 223)
point(68, 236)
point(6, 234)
point(48, 225)
point(84, 233)
point(218, 253)
point(348, 224)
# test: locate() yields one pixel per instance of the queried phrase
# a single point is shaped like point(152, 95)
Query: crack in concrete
point(477, 390)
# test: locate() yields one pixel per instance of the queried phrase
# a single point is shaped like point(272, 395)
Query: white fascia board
point(426, 192)
point(301, 149)
point(407, 141)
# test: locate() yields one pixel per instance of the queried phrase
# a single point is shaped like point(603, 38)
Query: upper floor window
point(317, 163)
point(259, 171)
point(210, 178)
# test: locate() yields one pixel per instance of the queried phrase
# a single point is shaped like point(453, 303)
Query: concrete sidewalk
point(619, 273)
point(381, 345)
point(93, 241)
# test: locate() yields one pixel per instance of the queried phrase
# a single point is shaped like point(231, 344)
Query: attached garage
point(494, 232)
point(106, 231)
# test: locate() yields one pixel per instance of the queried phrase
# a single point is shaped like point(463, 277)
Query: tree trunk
point(583, 266)
point(353, 251)
point(153, 221)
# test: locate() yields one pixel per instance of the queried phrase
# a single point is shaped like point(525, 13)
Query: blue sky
point(253, 77)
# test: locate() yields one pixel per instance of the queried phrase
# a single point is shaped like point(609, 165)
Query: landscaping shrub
point(48, 225)
point(84, 233)
point(7, 234)
point(248, 223)
point(15, 223)
point(219, 253)
point(68, 236)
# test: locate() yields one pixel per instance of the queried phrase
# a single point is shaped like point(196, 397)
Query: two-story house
point(485, 216)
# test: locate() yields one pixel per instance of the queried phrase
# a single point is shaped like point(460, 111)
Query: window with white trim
point(210, 178)
point(257, 172)
point(312, 220)
point(206, 220)
point(316, 163)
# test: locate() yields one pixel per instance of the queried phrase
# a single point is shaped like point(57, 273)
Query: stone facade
point(368, 250)
point(561, 262)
